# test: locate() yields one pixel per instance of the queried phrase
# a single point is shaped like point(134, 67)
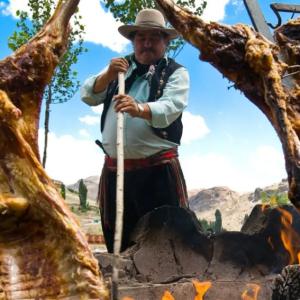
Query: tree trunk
point(255, 66)
point(43, 253)
point(46, 124)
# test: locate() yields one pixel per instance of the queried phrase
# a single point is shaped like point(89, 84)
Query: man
point(156, 94)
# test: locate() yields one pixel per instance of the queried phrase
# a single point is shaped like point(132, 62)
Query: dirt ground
point(89, 220)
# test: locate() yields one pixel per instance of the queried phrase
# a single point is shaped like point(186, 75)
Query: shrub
point(274, 199)
point(212, 227)
point(63, 190)
point(84, 206)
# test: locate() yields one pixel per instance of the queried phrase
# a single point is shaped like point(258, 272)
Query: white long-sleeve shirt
point(139, 139)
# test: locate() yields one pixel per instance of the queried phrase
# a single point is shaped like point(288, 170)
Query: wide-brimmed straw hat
point(148, 19)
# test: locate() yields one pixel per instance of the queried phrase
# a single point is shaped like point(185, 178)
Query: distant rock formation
point(278, 188)
point(233, 206)
point(204, 202)
point(211, 198)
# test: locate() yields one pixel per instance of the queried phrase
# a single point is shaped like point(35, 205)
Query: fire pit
point(169, 253)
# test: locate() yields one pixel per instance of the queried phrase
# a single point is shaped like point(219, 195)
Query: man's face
point(149, 46)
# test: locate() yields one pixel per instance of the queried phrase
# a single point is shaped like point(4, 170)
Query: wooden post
point(119, 193)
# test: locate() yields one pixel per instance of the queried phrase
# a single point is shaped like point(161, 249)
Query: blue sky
point(227, 141)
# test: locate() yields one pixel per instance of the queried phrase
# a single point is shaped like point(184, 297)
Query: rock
point(208, 198)
point(287, 284)
point(269, 223)
point(105, 260)
point(185, 290)
point(233, 206)
point(169, 249)
point(171, 240)
point(239, 256)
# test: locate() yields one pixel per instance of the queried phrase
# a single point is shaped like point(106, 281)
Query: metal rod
point(277, 7)
point(257, 19)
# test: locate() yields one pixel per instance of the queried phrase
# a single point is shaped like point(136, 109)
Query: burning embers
point(200, 287)
point(251, 293)
point(290, 238)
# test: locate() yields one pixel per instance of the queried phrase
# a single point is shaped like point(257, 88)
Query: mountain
point(207, 199)
point(204, 202)
point(233, 206)
point(91, 184)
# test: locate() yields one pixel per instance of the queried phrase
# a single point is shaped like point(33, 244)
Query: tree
point(63, 84)
point(218, 223)
point(83, 195)
point(265, 71)
point(63, 190)
point(126, 11)
point(212, 227)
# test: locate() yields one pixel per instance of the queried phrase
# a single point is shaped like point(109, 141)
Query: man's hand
point(116, 65)
point(125, 103)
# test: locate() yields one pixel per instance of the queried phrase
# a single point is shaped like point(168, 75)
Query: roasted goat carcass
point(253, 64)
point(43, 253)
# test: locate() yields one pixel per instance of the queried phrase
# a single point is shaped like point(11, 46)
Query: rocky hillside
point(233, 206)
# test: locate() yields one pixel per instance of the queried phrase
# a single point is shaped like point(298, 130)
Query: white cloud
point(215, 10)
point(3, 9)
point(90, 120)
point(84, 133)
point(97, 109)
point(100, 26)
point(238, 4)
point(263, 167)
point(267, 162)
point(194, 127)
point(12, 7)
point(70, 159)
point(209, 170)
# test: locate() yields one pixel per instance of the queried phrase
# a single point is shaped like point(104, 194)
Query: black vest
point(158, 82)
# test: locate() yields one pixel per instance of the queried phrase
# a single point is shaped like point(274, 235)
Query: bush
point(275, 199)
point(84, 205)
point(63, 190)
point(212, 227)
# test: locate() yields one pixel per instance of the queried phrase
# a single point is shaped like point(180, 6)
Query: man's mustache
point(147, 50)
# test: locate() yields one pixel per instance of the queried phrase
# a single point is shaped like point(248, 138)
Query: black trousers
point(144, 190)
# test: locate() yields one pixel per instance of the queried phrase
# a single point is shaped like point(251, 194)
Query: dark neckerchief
point(142, 69)
point(139, 71)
